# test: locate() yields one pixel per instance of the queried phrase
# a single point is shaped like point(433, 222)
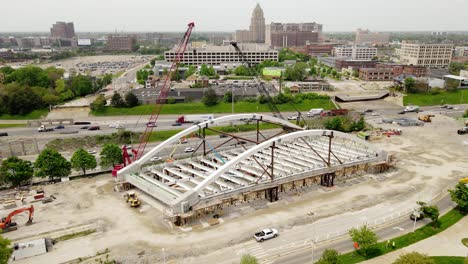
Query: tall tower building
point(256, 32)
point(62, 30)
point(257, 25)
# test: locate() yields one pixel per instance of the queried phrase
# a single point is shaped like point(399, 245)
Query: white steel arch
point(192, 197)
point(137, 165)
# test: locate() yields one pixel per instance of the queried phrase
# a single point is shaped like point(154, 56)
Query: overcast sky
point(229, 15)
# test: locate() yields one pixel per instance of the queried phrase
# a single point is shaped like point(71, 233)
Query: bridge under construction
point(243, 168)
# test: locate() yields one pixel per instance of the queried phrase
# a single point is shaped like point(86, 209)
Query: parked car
point(3, 134)
point(94, 128)
point(153, 159)
point(266, 234)
point(369, 111)
point(189, 149)
point(151, 124)
point(402, 112)
point(375, 114)
point(294, 117)
point(84, 127)
point(92, 152)
point(222, 135)
point(176, 124)
point(417, 215)
point(60, 127)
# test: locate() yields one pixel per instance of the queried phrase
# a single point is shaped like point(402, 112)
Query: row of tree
point(50, 163)
point(29, 88)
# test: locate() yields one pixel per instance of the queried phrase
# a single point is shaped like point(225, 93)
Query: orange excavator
point(7, 225)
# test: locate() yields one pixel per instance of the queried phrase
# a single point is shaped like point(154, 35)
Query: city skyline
point(210, 15)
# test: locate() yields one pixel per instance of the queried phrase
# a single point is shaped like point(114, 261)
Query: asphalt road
point(384, 233)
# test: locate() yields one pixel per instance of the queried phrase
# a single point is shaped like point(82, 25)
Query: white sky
point(229, 15)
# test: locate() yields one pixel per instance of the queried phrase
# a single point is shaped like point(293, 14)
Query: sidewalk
point(446, 243)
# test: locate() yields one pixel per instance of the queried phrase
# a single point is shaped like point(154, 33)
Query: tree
point(111, 154)
point(460, 196)
point(242, 70)
point(209, 97)
point(52, 164)
point(82, 85)
point(413, 258)
point(107, 79)
point(30, 76)
point(207, 71)
point(131, 100)
point(82, 160)
point(16, 171)
point(99, 103)
point(5, 250)
point(227, 97)
point(175, 76)
point(296, 72)
point(409, 83)
point(20, 100)
point(329, 256)
point(117, 101)
point(334, 124)
point(60, 86)
point(153, 62)
point(191, 70)
point(248, 259)
point(455, 67)
point(365, 238)
point(431, 211)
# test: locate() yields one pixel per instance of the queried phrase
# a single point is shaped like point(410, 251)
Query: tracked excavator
point(7, 225)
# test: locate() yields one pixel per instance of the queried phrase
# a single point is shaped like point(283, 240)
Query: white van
point(314, 112)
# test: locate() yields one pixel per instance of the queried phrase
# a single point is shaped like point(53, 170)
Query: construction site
point(243, 169)
point(198, 196)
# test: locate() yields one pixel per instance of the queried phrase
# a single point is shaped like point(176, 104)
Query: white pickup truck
point(265, 234)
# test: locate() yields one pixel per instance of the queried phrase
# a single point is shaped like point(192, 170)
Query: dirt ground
point(427, 159)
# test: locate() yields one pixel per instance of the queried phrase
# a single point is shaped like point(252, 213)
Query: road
point(345, 245)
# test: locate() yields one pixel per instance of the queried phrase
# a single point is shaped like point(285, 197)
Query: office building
point(315, 49)
point(365, 37)
point(282, 35)
point(387, 72)
point(425, 54)
point(62, 30)
point(256, 32)
point(218, 55)
point(121, 42)
point(355, 52)
point(461, 52)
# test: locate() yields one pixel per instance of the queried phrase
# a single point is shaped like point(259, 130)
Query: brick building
point(62, 30)
point(283, 35)
point(121, 42)
point(386, 72)
point(315, 49)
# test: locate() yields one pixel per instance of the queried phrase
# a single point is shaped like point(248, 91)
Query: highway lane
point(384, 233)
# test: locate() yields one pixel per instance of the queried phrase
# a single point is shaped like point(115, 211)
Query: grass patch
point(11, 125)
point(448, 260)
point(200, 108)
point(465, 242)
point(75, 235)
point(427, 99)
point(165, 134)
point(424, 232)
point(36, 114)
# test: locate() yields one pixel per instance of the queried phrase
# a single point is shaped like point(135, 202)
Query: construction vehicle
point(7, 225)
point(462, 131)
point(426, 118)
point(160, 101)
point(132, 199)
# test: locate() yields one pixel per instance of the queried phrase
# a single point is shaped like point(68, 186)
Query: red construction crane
point(7, 225)
point(161, 100)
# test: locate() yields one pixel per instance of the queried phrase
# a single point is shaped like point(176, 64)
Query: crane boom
point(261, 88)
point(160, 101)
